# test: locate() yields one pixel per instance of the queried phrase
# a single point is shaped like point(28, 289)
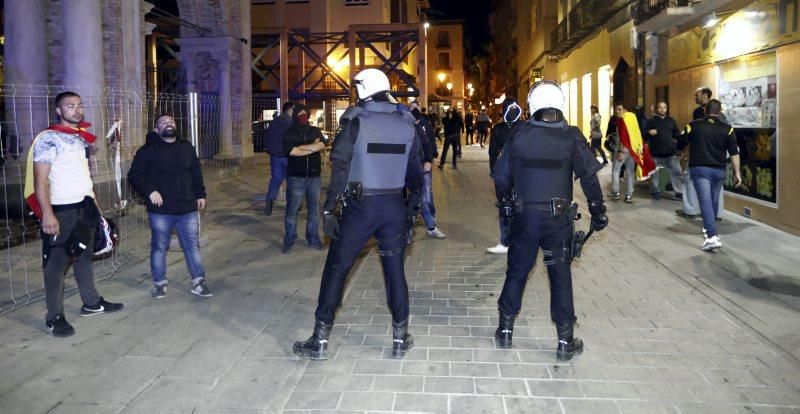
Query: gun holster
point(574, 246)
point(354, 191)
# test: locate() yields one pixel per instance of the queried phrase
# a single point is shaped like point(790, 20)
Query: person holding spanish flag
point(58, 189)
point(631, 152)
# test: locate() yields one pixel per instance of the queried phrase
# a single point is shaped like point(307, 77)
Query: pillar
point(26, 75)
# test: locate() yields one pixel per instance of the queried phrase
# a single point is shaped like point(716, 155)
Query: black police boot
point(568, 346)
point(504, 330)
point(402, 341)
point(315, 347)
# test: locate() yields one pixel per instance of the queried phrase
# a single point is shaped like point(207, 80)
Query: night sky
point(475, 16)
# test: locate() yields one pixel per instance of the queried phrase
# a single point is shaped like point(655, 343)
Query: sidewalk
point(667, 328)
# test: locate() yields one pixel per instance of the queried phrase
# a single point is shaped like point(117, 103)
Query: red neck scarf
point(81, 130)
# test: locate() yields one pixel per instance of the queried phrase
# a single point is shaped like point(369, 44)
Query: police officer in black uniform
point(375, 154)
point(537, 166)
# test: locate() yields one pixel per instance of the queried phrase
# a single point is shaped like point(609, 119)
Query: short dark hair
point(63, 95)
point(705, 90)
point(287, 106)
point(713, 107)
point(619, 103)
point(594, 107)
point(161, 115)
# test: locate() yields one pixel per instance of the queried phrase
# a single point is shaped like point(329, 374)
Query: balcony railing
point(584, 18)
point(644, 10)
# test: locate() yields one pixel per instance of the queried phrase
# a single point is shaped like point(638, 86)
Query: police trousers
point(382, 216)
point(531, 230)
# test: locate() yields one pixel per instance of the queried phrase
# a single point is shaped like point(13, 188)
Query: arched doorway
point(625, 84)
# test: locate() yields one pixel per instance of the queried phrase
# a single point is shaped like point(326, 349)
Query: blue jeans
point(188, 227)
point(428, 209)
point(298, 188)
point(708, 182)
point(277, 170)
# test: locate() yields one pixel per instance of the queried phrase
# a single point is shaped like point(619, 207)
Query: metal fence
point(27, 110)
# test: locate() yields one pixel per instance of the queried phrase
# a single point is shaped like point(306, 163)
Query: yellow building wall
point(456, 75)
point(606, 48)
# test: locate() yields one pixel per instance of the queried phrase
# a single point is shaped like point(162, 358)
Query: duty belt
point(381, 191)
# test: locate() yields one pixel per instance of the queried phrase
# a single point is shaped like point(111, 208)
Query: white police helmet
point(370, 82)
point(545, 95)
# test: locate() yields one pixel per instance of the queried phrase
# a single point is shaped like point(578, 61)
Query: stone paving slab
point(668, 329)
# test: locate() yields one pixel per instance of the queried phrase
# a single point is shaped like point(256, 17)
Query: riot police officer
point(375, 154)
point(536, 170)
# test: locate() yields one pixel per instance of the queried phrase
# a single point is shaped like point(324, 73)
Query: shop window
point(586, 103)
point(573, 102)
point(748, 90)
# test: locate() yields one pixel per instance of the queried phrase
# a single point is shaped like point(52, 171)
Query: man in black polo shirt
point(708, 139)
point(661, 133)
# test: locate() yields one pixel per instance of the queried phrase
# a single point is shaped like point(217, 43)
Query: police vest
point(382, 147)
point(541, 162)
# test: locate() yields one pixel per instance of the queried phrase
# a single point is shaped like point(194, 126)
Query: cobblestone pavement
point(667, 327)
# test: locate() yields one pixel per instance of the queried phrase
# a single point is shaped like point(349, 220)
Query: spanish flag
point(30, 189)
point(631, 138)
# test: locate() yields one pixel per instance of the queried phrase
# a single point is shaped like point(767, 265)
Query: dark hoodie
point(299, 134)
point(173, 170)
point(501, 131)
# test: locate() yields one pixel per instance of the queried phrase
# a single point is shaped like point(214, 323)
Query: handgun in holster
point(575, 244)
point(353, 191)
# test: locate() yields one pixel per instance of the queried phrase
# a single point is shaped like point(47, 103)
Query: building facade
point(445, 58)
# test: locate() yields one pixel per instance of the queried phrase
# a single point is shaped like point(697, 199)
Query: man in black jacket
point(167, 172)
point(453, 126)
point(302, 143)
point(430, 152)
point(661, 134)
point(501, 131)
point(278, 161)
point(709, 139)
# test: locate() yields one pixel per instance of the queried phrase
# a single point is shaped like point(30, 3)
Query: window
point(443, 38)
point(356, 2)
point(586, 103)
point(573, 102)
point(444, 61)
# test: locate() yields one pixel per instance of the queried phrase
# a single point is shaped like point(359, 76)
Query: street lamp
point(449, 86)
point(469, 86)
point(441, 76)
point(426, 25)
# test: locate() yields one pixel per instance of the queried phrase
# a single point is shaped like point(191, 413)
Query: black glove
point(413, 208)
point(598, 212)
point(330, 225)
point(599, 222)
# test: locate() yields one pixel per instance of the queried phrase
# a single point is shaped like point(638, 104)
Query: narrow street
point(668, 328)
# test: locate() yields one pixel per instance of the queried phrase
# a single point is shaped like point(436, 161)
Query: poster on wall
point(750, 106)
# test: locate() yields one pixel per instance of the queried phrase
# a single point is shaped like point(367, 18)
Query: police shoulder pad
point(350, 113)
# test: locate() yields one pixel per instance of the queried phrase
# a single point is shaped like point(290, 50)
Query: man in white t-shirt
point(63, 188)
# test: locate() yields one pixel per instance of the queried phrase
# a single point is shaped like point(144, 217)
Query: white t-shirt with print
point(70, 180)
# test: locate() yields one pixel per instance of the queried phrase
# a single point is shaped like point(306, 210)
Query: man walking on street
point(167, 172)
point(483, 124)
point(63, 198)
point(302, 143)
point(500, 134)
point(708, 140)
point(428, 141)
point(278, 161)
point(661, 133)
point(452, 129)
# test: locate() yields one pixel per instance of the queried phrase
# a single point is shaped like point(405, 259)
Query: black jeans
point(382, 216)
point(57, 262)
point(531, 230)
point(450, 140)
point(598, 147)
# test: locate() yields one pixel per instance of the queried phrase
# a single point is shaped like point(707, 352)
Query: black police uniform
point(377, 148)
point(538, 163)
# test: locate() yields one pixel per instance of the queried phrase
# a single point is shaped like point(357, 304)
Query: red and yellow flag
point(30, 188)
point(631, 138)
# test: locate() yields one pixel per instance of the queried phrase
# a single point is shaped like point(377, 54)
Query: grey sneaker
point(159, 292)
point(613, 196)
point(201, 289)
point(629, 199)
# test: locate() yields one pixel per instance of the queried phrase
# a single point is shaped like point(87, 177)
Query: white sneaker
point(499, 249)
point(711, 243)
point(436, 233)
